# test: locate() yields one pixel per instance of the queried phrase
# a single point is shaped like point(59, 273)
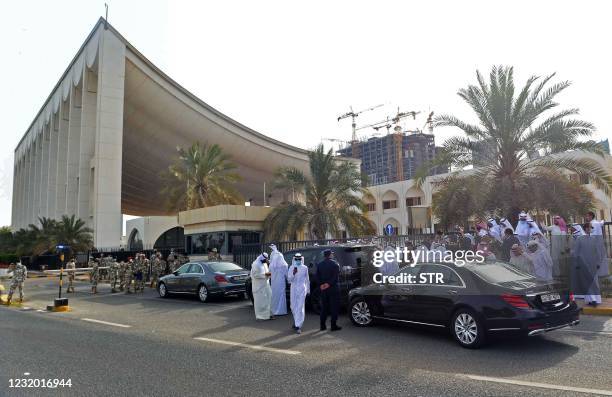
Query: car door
point(191, 280)
point(433, 301)
point(396, 298)
point(173, 282)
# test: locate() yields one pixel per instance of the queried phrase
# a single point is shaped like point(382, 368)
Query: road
point(142, 345)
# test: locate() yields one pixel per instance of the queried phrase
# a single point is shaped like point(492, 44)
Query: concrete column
point(87, 145)
point(44, 171)
point(74, 138)
point(52, 174)
point(62, 159)
point(109, 142)
point(21, 190)
point(16, 198)
point(35, 181)
point(26, 189)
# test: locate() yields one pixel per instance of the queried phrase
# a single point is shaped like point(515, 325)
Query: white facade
point(110, 127)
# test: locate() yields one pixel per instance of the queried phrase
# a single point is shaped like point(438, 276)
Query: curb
point(597, 311)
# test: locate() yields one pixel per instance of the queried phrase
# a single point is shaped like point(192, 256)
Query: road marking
point(254, 347)
point(91, 320)
point(576, 331)
point(540, 385)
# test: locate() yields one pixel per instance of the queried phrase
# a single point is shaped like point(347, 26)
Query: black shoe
point(323, 328)
point(336, 328)
point(294, 327)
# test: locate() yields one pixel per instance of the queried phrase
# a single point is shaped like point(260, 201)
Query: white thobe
point(597, 230)
point(278, 268)
point(389, 267)
point(262, 293)
point(300, 287)
point(542, 263)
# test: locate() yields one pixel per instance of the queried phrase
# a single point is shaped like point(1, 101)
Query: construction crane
point(401, 115)
point(340, 141)
point(354, 115)
point(429, 123)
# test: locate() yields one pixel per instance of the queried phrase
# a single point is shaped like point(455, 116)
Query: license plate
point(240, 278)
point(550, 298)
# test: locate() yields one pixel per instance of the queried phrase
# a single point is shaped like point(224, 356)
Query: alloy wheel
point(466, 329)
point(361, 313)
point(162, 290)
point(203, 293)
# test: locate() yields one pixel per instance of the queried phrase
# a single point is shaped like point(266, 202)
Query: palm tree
point(201, 176)
point(321, 203)
point(72, 231)
point(524, 147)
point(43, 237)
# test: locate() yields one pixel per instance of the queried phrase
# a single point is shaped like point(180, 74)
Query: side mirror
point(176, 273)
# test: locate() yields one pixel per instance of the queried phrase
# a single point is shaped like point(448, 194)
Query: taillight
point(220, 279)
point(571, 297)
point(517, 301)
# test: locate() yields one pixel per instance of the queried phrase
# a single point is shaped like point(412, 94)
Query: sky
point(289, 69)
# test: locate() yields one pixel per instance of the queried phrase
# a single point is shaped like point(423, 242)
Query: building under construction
point(393, 157)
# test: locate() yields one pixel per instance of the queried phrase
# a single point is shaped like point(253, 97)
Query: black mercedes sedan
point(471, 301)
point(204, 279)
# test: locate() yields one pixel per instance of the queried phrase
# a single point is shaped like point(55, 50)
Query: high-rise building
point(393, 157)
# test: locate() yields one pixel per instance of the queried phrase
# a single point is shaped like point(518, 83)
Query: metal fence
point(245, 254)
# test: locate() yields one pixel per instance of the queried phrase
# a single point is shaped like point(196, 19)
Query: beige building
point(407, 207)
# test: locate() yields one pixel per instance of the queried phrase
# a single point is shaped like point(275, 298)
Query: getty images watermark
point(386, 260)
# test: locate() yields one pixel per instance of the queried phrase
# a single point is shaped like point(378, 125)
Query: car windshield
point(498, 272)
point(223, 266)
point(356, 257)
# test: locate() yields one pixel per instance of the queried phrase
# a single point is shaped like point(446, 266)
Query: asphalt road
point(142, 345)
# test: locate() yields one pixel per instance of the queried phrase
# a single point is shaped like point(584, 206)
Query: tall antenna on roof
point(106, 17)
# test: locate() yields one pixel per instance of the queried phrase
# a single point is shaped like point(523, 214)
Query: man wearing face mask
point(262, 292)
point(300, 288)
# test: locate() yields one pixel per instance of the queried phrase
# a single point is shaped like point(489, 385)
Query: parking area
point(220, 346)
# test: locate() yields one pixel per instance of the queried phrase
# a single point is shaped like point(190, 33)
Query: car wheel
point(467, 329)
point(162, 290)
point(203, 293)
point(361, 315)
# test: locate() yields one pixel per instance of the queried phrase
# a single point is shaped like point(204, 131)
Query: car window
point(195, 268)
point(355, 257)
point(183, 269)
point(223, 266)
point(449, 276)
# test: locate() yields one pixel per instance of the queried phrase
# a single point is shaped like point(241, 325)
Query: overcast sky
point(289, 70)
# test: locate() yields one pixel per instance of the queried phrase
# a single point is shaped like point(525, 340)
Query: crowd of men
point(570, 251)
point(269, 275)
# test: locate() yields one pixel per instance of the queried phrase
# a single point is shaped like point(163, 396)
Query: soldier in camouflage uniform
point(94, 275)
point(146, 268)
point(20, 273)
point(138, 272)
point(156, 270)
point(113, 274)
point(70, 270)
point(129, 275)
point(121, 271)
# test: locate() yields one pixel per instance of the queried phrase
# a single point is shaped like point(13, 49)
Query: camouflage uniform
point(138, 273)
point(156, 270)
point(20, 273)
point(94, 275)
point(121, 272)
point(113, 275)
point(171, 262)
point(145, 265)
point(129, 276)
point(70, 267)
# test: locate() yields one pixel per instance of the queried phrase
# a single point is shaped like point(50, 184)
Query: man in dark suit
point(327, 274)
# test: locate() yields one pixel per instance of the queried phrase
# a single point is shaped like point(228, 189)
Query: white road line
point(576, 331)
point(254, 347)
point(537, 384)
point(91, 320)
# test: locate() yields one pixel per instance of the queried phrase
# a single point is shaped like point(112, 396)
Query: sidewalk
point(605, 309)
